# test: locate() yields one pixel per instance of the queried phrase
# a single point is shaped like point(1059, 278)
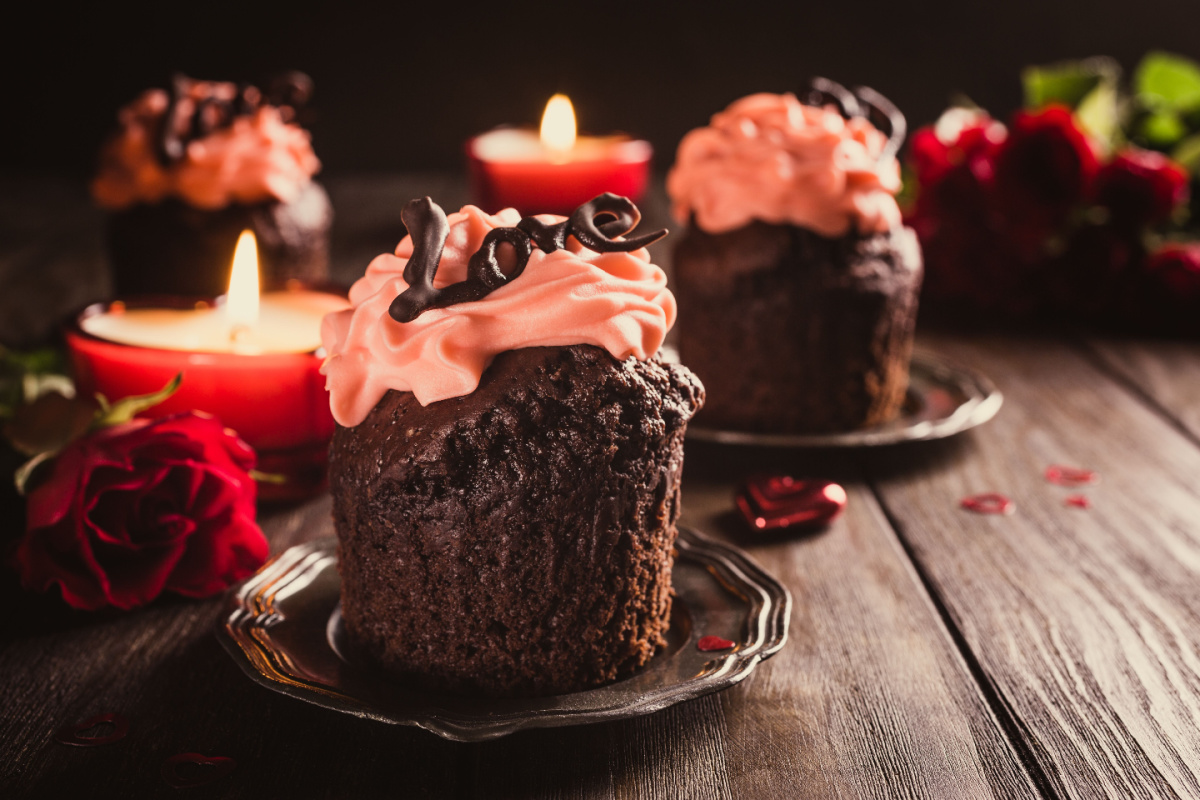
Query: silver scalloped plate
point(943, 399)
point(283, 627)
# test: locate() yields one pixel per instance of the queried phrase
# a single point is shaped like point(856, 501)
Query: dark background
point(401, 87)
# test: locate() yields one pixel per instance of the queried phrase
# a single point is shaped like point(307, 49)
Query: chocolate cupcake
point(797, 282)
point(506, 468)
point(189, 169)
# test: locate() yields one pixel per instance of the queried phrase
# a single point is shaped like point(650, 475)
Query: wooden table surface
point(933, 652)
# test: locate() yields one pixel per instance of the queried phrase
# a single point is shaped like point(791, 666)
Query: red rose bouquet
point(130, 508)
point(1077, 210)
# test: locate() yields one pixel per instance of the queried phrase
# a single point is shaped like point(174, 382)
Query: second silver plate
point(943, 399)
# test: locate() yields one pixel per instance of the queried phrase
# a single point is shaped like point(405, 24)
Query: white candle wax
point(289, 322)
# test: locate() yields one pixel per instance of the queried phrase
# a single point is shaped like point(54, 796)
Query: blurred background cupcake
point(191, 167)
point(796, 279)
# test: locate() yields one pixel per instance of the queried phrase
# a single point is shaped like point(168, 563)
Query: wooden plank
point(869, 698)
point(1166, 372)
point(678, 752)
point(163, 669)
point(1085, 623)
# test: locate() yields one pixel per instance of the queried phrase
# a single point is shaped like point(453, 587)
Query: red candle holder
point(277, 402)
point(535, 185)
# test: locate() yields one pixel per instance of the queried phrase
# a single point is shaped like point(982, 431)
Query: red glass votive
point(534, 183)
point(276, 402)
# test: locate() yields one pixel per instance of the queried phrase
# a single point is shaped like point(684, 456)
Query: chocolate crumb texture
point(793, 332)
point(517, 540)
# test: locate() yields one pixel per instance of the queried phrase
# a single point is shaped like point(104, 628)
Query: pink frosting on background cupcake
point(770, 157)
point(618, 301)
point(259, 157)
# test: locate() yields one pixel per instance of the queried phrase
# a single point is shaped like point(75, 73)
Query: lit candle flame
point(558, 124)
point(241, 304)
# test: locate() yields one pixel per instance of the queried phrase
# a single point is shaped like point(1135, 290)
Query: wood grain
point(163, 668)
point(870, 697)
point(1084, 623)
point(1166, 372)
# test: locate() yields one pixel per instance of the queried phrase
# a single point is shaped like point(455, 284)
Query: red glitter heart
point(1070, 476)
point(1079, 501)
point(193, 769)
point(770, 502)
point(709, 643)
point(73, 734)
point(988, 503)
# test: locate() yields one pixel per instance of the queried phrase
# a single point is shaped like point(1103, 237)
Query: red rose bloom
point(1165, 297)
point(1177, 267)
point(965, 259)
point(973, 148)
point(1043, 171)
point(132, 510)
point(1141, 187)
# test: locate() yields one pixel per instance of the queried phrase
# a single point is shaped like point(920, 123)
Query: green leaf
point(1068, 82)
point(127, 408)
point(1162, 128)
point(1099, 114)
point(1187, 153)
point(47, 359)
point(25, 376)
point(268, 477)
point(1167, 80)
point(23, 473)
point(48, 423)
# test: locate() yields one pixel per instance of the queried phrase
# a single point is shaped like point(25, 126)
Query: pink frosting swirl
point(259, 157)
point(618, 301)
point(770, 157)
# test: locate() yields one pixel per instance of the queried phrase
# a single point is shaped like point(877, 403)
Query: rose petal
point(1070, 476)
point(220, 555)
point(988, 503)
point(137, 576)
point(713, 643)
point(107, 510)
point(130, 510)
point(226, 547)
point(57, 555)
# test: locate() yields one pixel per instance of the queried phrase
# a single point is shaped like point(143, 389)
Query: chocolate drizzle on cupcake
point(190, 117)
point(593, 224)
point(862, 101)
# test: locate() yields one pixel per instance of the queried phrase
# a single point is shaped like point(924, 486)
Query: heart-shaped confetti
point(710, 643)
point(1070, 476)
point(1078, 501)
point(770, 502)
point(81, 734)
point(988, 503)
point(195, 769)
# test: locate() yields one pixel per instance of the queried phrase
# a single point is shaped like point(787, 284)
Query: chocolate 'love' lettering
point(288, 91)
point(862, 101)
point(594, 225)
